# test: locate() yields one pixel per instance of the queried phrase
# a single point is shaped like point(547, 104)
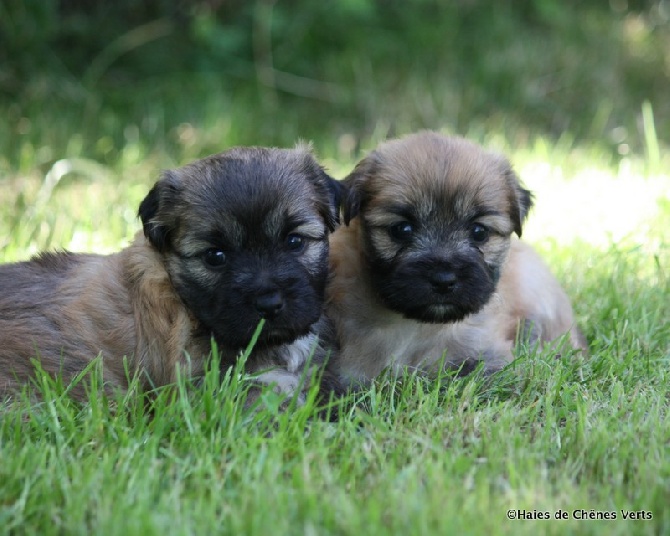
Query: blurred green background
point(185, 78)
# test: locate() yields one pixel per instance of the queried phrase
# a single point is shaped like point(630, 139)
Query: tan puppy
point(228, 240)
point(426, 273)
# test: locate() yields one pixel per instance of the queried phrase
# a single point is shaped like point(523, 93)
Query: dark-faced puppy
point(426, 271)
point(228, 241)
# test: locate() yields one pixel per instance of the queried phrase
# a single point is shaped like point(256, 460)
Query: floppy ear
point(330, 196)
point(154, 210)
point(355, 184)
point(336, 192)
point(330, 191)
point(521, 200)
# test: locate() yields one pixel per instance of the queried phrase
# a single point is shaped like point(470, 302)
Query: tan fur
point(423, 170)
point(117, 306)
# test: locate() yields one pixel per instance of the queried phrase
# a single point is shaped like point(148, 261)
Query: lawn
point(572, 439)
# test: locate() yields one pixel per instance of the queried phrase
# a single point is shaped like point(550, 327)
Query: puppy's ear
point(336, 192)
point(521, 200)
point(330, 191)
point(355, 185)
point(155, 210)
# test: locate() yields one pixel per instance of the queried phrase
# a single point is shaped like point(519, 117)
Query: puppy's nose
point(268, 304)
point(443, 281)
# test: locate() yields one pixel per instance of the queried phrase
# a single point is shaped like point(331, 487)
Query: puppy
point(227, 241)
point(426, 274)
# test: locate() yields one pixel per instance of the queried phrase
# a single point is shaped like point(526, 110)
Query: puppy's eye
point(214, 258)
point(479, 233)
point(295, 242)
point(402, 231)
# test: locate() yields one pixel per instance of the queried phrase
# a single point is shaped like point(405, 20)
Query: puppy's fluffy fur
point(228, 240)
point(426, 274)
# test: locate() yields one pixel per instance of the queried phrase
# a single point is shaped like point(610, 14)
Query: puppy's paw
point(284, 383)
point(292, 390)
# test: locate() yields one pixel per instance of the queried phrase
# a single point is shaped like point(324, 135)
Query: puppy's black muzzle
point(443, 281)
point(269, 303)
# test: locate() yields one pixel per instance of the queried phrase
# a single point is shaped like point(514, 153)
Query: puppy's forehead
point(439, 175)
point(250, 188)
point(244, 180)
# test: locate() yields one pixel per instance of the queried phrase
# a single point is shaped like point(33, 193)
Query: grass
point(412, 457)
point(408, 456)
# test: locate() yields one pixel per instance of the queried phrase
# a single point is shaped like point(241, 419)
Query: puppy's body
point(229, 240)
point(426, 275)
point(65, 309)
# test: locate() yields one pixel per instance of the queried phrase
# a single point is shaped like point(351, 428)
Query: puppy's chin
point(410, 290)
point(439, 313)
point(270, 336)
point(277, 336)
